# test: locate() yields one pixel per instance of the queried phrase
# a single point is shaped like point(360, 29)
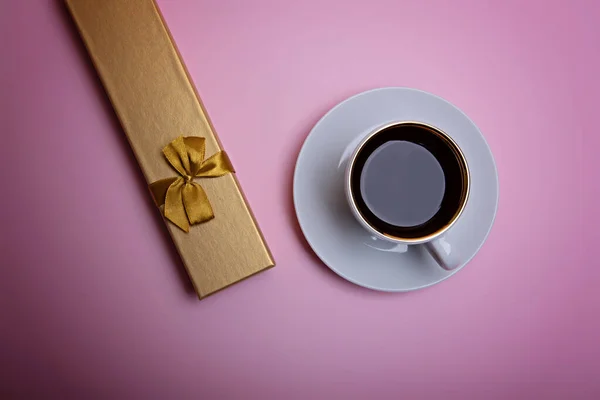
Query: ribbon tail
point(159, 190)
point(196, 203)
point(174, 207)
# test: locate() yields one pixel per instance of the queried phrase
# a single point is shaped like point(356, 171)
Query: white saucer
point(326, 220)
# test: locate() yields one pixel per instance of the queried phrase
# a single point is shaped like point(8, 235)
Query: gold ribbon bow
point(185, 201)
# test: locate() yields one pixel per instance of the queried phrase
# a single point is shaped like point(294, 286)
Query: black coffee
point(402, 183)
point(408, 181)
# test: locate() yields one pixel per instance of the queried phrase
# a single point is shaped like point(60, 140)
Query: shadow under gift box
point(156, 102)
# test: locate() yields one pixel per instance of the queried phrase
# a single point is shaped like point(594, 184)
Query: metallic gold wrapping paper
point(155, 100)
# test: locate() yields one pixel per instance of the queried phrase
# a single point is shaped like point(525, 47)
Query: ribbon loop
point(185, 202)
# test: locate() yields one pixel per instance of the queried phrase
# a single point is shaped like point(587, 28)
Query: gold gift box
point(155, 101)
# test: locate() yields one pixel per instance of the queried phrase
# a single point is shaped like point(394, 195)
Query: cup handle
point(443, 253)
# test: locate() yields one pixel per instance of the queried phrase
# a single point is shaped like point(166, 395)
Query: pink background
point(95, 304)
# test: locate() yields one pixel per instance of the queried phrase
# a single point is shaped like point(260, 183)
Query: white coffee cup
point(455, 193)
